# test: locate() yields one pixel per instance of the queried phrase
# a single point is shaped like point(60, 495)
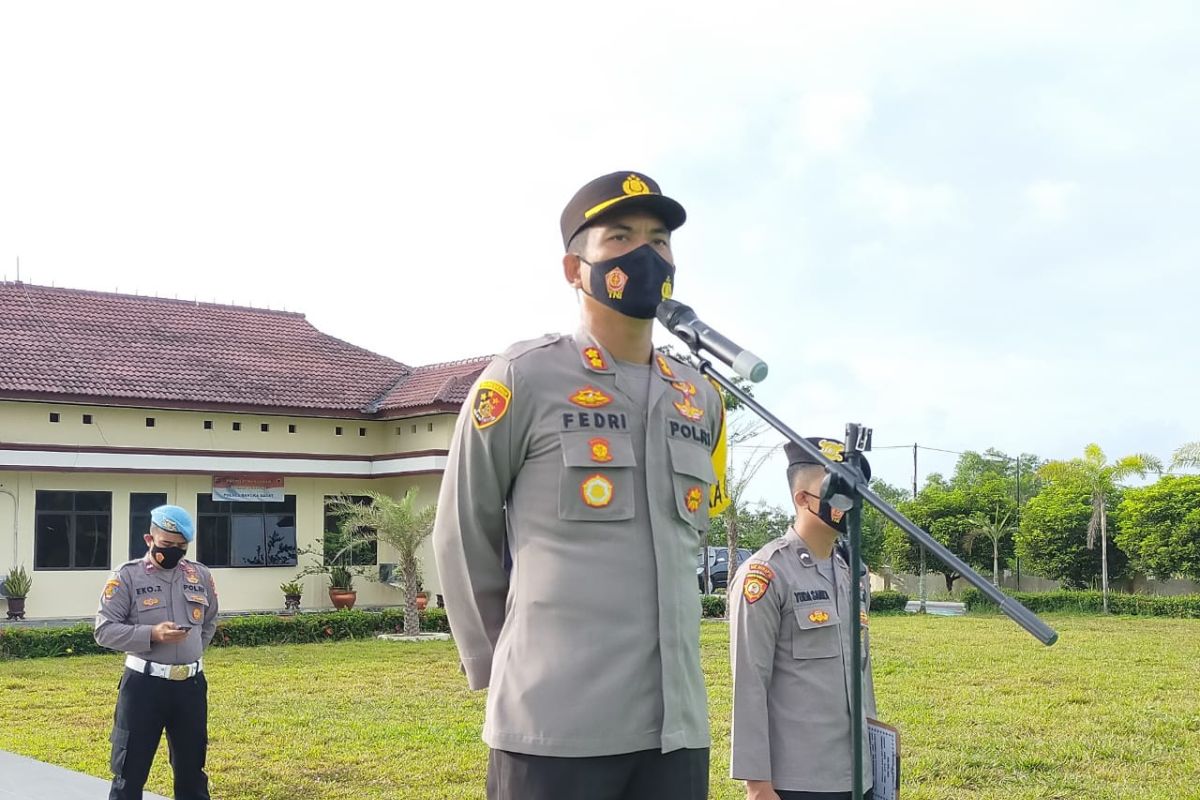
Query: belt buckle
point(178, 672)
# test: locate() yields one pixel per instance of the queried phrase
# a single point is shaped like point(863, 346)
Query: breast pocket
point(816, 635)
point(152, 608)
point(197, 607)
point(691, 474)
point(596, 482)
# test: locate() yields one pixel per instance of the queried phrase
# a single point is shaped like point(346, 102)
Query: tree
point(1160, 527)
point(1102, 479)
point(996, 529)
point(1187, 456)
point(879, 542)
point(758, 523)
point(398, 523)
point(1052, 540)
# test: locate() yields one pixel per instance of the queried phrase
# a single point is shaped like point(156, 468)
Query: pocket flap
point(195, 598)
point(597, 449)
point(692, 459)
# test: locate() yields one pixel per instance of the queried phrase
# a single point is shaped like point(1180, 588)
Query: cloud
point(1052, 201)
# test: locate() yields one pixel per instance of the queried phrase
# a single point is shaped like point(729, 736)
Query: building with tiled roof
point(250, 418)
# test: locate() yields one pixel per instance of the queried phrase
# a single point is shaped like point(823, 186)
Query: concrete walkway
point(937, 607)
point(27, 779)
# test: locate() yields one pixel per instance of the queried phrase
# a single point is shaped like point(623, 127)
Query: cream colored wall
point(57, 594)
point(29, 423)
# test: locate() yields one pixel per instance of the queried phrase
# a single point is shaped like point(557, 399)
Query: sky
point(966, 225)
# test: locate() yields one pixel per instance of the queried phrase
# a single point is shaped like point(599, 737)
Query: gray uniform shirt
point(590, 644)
point(790, 641)
point(140, 595)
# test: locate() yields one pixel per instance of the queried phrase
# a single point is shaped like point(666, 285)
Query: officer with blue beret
point(161, 610)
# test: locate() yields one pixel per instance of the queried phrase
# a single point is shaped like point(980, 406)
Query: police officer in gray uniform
point(162, 611)
point(570, 516)
point(790, 639)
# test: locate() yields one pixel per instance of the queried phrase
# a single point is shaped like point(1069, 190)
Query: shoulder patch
point(754, 586)
point(111, 587)
point(519, 349)
point(490, 404)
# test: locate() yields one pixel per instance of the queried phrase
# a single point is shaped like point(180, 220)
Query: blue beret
point(174, 519)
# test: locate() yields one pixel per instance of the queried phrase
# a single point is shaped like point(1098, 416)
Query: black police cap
point(833, 449)
point(618, 191)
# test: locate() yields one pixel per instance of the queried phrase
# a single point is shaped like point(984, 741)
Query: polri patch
point(601, 450)
point(491, 403)
point(754, 586)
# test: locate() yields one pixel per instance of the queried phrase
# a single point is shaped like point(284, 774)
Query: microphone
point(682, 321)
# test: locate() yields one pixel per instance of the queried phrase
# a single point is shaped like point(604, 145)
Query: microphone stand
point(846, 479)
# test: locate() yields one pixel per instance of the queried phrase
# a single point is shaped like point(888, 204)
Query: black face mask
point(633, 284)
point(166, 557)
point(833, 517)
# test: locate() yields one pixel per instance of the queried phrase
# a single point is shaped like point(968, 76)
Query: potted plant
point(291, 595)
point(16, 589)
point(341, 587)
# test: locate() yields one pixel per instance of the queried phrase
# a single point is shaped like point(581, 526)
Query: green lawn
point(1111, 711)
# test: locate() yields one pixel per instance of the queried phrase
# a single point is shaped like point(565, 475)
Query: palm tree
point(395, 522)
point(1102, 478)
point(995, 528)
point(1187, 456)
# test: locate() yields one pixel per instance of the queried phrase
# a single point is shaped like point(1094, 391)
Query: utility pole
point(921, 581)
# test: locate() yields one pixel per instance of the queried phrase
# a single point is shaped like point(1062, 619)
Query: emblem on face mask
point(836, 514)
point(491, 404)
point(600, 450)
point(634, 185)
point(819, 617)
point(595, 358)
point(615, 282)
point(590, 397)
point(666, 289)
point(597, 491)
point(692, 499)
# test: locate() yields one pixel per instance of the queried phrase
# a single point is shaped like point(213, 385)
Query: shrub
point(712, 605)
point(246, 631)
point(1089, 602)
point(888, 602)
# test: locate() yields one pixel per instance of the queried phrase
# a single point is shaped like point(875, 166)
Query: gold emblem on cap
point(831, 450)
point(635, 185)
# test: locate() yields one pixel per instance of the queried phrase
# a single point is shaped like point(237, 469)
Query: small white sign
point(885, 759)
point(248, 489)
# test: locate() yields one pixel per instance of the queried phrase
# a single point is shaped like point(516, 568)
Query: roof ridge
point(24, 285)
point(457, 363)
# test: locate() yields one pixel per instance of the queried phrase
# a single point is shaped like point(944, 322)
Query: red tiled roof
point(446, 383)
point(148, 350)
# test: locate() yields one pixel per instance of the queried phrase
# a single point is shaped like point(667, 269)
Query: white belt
point(172, 672)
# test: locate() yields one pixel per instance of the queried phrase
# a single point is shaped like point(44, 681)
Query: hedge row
point(1088, 602)
point(247, 631)
point(713, 605)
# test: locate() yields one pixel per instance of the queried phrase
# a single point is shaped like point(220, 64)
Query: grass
point(1111, 711)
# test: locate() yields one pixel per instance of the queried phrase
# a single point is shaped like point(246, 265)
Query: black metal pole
point(854, 527)
point(1010, 607)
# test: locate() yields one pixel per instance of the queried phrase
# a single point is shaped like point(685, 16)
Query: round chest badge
point(597, 491)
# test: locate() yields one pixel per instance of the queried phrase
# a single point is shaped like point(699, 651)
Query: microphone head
point(672, 311)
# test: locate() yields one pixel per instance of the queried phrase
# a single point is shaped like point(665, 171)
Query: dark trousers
point(644, 775)
point(867, 795)
point(146, 705)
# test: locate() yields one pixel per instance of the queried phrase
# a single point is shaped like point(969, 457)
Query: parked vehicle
point(718, 567)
